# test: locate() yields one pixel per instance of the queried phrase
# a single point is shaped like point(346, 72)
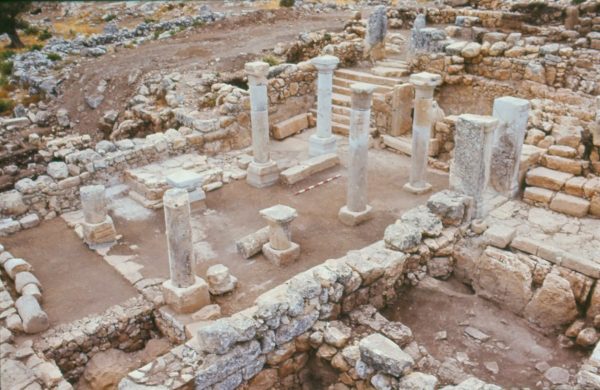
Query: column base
point(318, 146)
point(95, 234)
point(353, 218)
point(262, 175)
point(281, 257)
point(417, 189)
point(186, 299)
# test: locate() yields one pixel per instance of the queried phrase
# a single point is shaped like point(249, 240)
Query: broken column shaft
point(357, 210)
point(323, 141)
point(424, 84)
point(98, 228)
point(262, 171)
point(184, 291)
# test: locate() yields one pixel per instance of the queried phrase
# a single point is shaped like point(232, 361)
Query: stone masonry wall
point(127, 327)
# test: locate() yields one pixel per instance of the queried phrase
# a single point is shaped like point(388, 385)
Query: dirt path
point(223, 46)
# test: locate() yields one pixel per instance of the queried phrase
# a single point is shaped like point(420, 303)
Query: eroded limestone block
point(402, 236)
point(453, 208)
point(501, 277)
point(220, 281)
point(553, 304)
point(421, 217)
point(384, 355)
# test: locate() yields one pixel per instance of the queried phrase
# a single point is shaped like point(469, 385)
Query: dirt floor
point(513, 345)
point(222, 47)
point(64, 265)
point(76, 281)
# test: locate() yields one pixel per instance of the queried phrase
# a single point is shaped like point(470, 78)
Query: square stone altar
point(189, 181)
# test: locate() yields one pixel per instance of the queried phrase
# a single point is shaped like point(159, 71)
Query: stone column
point(323, 141)
point(402, 99)
point(357, 210)
point(98, 226)
point(184, 291)
point(470, 170)
point(376, 31)
point(280, 249)
point(512, 114)
point(262, 171)
point(424, 84)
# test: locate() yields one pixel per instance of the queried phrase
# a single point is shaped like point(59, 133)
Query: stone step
point(547, 178)
point(404, 144)
point(364, 77)
point(342, 90)
point(341, 110)
point(345, 83)
point(563, 164)
point(342, 129)
point(392, 63)
point(341, 118)
point(389, 72)
point(340, 100)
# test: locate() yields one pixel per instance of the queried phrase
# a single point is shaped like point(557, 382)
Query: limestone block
point(309, 167)
point(562, 164)
point(251, 244)
point(538, 195)
point(34, 318)
point(547, 178)
point(562, 151)
point(290, 126)
point(570, 205)
point(24, 278)
point(418, 380)
point(353, 218)
point(9, 226)
point(402, 236)
point(11, 203)
point(281, 257)
point(99, 233)
point(453, 208)
point(337, 334)
point(574, 186)
point(220, 281)
point(29, 221)
point(384, 355)
point(429, 223)
point(186, 299)
point(553, 304)
point(32, 290)
point(217, 337)
point(15, 265)
point(501, 277)
point(499, 235)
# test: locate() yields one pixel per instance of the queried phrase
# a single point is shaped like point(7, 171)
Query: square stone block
point(318, 146)
point(186, 299)
point(262, 175)
point(99, 233)
point(352, 218)
point(282, 257)
point(184, 179)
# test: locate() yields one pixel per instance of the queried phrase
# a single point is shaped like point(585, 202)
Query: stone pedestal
point(98, 227)
point(280, 249)
point(512, 114)
point(376, 31)
point(323, 142)
point(184, 291)
point(191, 182)
point(402, 101)
point(470, 170)
point(261, 169)
point(424, 84)
point(357, 210)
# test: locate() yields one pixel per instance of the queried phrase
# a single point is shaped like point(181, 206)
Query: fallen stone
point(417, 380)
point(499, 235)
point(402, 236)
point(16, 265)
point(24, 278)
point(35, 320)
point(588, 337)
point(476, 334)
point(453, 208)
point(290, 126)
point(337, 334)
point(553, 304)
point(557, 375)
point(384, 355)
point(421, 217)
point(309, 167)
point(252, 244)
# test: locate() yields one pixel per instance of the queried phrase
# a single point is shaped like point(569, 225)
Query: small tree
point(10, 20)
point(286, 3)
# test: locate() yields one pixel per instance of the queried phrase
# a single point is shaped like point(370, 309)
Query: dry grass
point(71, 28)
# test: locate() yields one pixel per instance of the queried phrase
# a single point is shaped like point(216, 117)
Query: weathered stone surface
point(402, 236)
point(15, 265)
point(547, 178)
point(337, 334)
point(472, 383)
point(557, 375)
point(421, 217)
point(216, 368)
point(570, 205)
point(252, 244)
point(398, 332)
point(384, 355)
point(417, 380)
point(499, 235)
point(501, 277)
point(217, 337)
point(451, 207)
point(11, 203)
point(588, 337)
point(553, 304)
point(24, 278)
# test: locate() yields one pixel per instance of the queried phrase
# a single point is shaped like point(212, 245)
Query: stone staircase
point(563, 184)
point(384, 76)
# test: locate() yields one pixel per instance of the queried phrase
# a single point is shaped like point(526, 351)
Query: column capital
point(175, 198)
point(485, 123)
point(362, 94)
point(425, 80)
point(280, 214)
point(326, 63)
point(257, 72)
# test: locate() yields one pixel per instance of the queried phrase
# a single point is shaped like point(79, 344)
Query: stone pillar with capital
point(323, 141)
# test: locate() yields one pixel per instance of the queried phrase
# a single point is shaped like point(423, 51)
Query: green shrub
point(286, 3)
point(271, 60)
point(327, 37)
point(577, 1)
point(54, 56)
point(31, 30)
point(45, 35)
point(35, 47)
point(198, 23)
point(109, 17)
point(6, 105)
point(149, 20)
point(6, 68)
point(6, 54)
